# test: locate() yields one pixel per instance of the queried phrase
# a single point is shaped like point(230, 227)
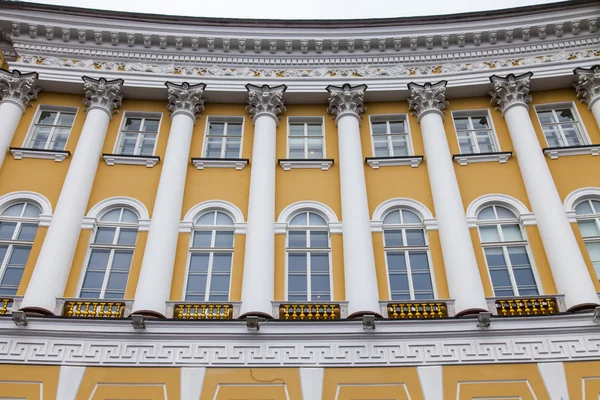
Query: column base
point(583, 307)
point(470, 312)
point(149, 314)
point(360, 314)
point(37, 312)
point(256, 314)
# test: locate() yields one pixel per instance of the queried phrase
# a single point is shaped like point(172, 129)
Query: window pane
point(501, 281)
point(14, 210)
point(593, 250)
point(393, 238)
point(151, 125)
point(588, 228)
point(216, 128)
point(222, 262)
point(480, 123)
point(396, 261)
point(461, 123)
point(297, 263)
point(465, 143)
point(381, 146)
point(202, 239)
point(199, 262)
point(410, 217)
point(392, 218)
point(485, 142)
point(415, 237)
point(213, 147)
point(117, 281)
point(504, 213)
point(105, 235)
point(93, 280)
point(133, 124)
point(546, 117)
point(59, 139)
point(422, 281)
point(572, 134)
point(234, 129)
point(495, 257)
point(379, 127)
point(196, 283)
point(565, 115)
point(418, 261)
point(314, 219)
point(206, 219)
point(128, 143)
point(39, 137)
point(486, 214)
point(114, 295)
point(65, 119)
point(122, 260)
point(518, 256)
point(299, 219)
point(224, 239)
point(399, 282)
point(553, 136)
point(400, 145)
point(319, 283)
point(314, 129)
point(584, 208)
point(596, 205)
point(127, 236)
point(19, 255)
point(12, 276)
point(27, 232)
point(524, 277)
point(7, 229)
point(3, 249)
point(219, 283)
point(297, 284)
point(112, 216)
point(489, 234)
point(232, 147)
point(397, 127)
point(319, 239)
point(511, 233)
point(319, 263)
point(315, 147)
point(31, 211)
point(296, 147)
point(297, 239)
point(223, 219)
point(296, 129)
point(129, 217)
point(98, 259)
point(47, 117)
point(147, 145)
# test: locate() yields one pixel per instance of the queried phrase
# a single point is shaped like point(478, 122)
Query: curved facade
point(241, 209)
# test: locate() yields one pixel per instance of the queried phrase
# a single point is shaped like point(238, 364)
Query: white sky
point(298, 9)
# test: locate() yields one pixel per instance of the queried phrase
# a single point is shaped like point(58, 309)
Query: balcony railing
point(5, 305)
point(94, 309)
point(527, 306)
point(202, 311)
point(310, 311)
point(417, 310)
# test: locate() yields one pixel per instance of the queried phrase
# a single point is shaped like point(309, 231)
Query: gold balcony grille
point(309, 311)
point(5, 305)
point(94, 309)
point(527, 306)
point(425, 310)
point(203, 311)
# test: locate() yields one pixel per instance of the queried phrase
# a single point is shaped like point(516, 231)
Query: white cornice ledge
point(465, 159)
point(19, 153)
point(555, 152)
point(376, 162)
point(237, 163)
point(148, 161)
point(323, 164)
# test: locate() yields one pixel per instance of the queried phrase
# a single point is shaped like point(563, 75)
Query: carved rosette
point(185, 99)
point(265, 100)
point(510, 90)
point(102, 94)
point(346, 99)
point(18, 88)
point(426, 98)
point(588, 84)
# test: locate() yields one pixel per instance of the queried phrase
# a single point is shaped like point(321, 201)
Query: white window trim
point(310, 163)
point(136, 114)
point(305, 120)
point(307, 250)
point(41, 201)
point(91, 219)
point(576, 197)
point(27, 152)
point(225, 162)
point(335, 226)
point(386, 118)
point(418, 208)
point(523, 214)
point(123, 159)
point(483, 112)
point(587, 149)
point(187, 224)
point(584, 134)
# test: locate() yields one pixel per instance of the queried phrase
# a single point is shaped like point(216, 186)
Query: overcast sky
point(302, 9)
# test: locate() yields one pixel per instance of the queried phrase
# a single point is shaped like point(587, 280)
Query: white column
point(154, 285)
point(311, 381)
point(462, 273)
point(588, 88)
point(264, 104)
point(102, 99)
point(17, 90)
point(555, 380)
point(432, 382)
point(564, 256)
point(346, 103)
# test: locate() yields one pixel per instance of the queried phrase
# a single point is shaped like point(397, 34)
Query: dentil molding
point(18, 88)
point(265, 99)
point(510, 90)
point(588, 84)
point(102, 94)
point(427, 97)
point(185, 99)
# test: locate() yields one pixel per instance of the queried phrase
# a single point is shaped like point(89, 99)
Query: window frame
point(113, 248)
point(191, 250)
point(426, 248)
point(588, 217)
point(305, 121)
point(484, 112)
point(227, 120)
point(120, 135)
point(389, 118)
point(51, 108)
point(562, 105)
point(504, 245)
point(307, 250)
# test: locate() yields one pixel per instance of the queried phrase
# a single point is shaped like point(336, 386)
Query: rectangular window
point(138, 135)
point(306, 138)
point(51, 129)
point(390, 136)
point(474, 132)
point(561, 126)
point(223, 138)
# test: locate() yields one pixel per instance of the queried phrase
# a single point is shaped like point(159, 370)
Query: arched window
point(308, 258)
point(588, 218)
point(18, 226)
point(506, 253)
point(110, 255)
point(211, 255)
point(407, 256)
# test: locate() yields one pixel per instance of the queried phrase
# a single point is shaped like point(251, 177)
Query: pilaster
point(17, 88)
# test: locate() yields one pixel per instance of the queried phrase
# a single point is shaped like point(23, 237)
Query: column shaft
point(10, 114)
point(595, 109)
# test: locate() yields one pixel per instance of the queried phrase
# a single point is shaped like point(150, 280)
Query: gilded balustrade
point(94, 309)
point(290, 311)
point(527, 306)
point(417, 310)
point(203, 311)
point(5, 302)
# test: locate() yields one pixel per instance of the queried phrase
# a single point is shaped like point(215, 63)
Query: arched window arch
point(308, 257)
point(210, 258)
point(110, 254)
point(407, 256)
point(506, 252)
point(18, 225)
point(587, 214)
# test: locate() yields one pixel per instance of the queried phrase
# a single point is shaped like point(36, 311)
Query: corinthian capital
point(102, 94)
point(18, 88)
point(510, 91)
point(588, 84)
point(265, 100)
point(346, 100)
point(427, 98)
point(185, 99)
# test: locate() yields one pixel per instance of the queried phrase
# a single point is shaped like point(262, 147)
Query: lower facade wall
point(543, 381)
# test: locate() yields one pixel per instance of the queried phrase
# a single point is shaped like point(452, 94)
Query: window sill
point(203, 162)
point(465, 159)
point(56, 155)
point(148, 161)
point(299, 163)
point(376, 162)
point(555, 152)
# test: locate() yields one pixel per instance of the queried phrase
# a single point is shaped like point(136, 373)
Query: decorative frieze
point(427, 97)
point(510, 90)
point(265, 99)
point(588, 84)
point(185, 98)
point(18, 88)
point(346, 99)
point(102, 94)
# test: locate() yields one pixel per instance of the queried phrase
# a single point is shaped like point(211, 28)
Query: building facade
point(248, 209)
